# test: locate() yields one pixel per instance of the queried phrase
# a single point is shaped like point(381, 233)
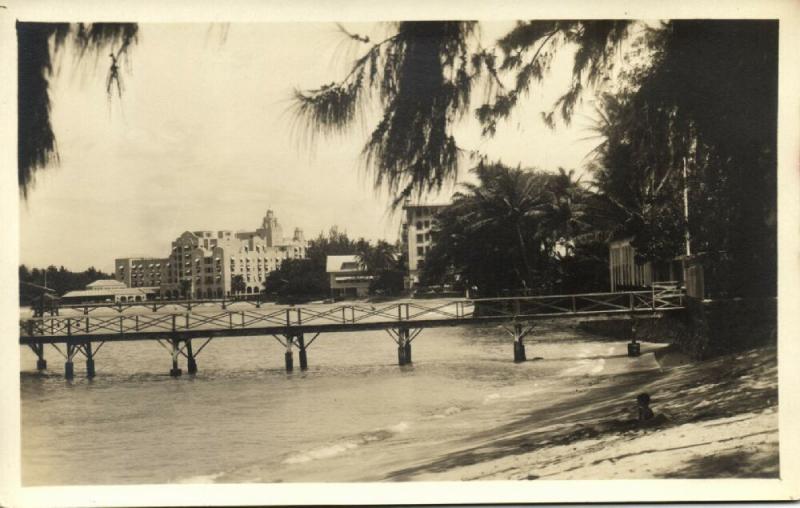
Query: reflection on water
point(354, 415)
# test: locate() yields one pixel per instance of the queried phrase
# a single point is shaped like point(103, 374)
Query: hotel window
point(420, 251)
point(419, 224)
point(419, 237)
point(427, 224)
point(427, 236)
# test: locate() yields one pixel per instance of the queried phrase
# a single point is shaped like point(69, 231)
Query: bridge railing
point(156, 304)
point(272, 316)
point(578, 304)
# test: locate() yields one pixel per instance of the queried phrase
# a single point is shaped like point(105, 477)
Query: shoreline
point(567, 417)
point(720, 421)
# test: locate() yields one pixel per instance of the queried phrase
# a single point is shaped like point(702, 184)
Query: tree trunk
point(524, 255)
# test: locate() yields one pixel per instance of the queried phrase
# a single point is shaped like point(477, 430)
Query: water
point(353, 416)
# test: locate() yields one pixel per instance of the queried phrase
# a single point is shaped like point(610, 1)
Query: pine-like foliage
point(36, 44)
point(423, 77)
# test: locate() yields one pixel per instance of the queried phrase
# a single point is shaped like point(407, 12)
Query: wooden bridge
point(84, 329)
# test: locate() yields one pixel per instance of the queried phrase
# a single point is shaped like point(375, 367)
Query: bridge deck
point(136, 321)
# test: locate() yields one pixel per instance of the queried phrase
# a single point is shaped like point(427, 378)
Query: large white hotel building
point(203, 264)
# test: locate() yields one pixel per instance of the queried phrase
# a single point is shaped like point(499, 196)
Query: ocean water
point(355, 415)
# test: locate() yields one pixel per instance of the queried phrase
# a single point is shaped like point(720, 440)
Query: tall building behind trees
point(417, 237)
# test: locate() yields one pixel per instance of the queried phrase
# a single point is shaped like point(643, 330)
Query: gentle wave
point(450, 411)
point(328, 451)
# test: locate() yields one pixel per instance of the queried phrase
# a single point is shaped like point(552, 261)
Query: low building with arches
point(109, 291)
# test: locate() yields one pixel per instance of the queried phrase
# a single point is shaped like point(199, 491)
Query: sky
point(203, 138)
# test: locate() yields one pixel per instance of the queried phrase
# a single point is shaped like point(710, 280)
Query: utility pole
point(686, 207)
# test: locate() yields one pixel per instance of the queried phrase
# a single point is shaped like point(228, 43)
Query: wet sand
point(718, 419)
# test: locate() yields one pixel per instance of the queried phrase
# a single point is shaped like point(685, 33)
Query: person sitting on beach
point(646, 417)
point(643, 407)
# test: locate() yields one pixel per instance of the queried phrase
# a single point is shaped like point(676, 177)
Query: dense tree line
point(59, 279)
point(706, 104)
point(518, 230)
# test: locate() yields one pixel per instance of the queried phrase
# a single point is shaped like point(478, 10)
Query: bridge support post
point(69, 367)
point(519, 346)
point(301, 346)
point(407, 347)
point(41, 363)
point(403, 347)
point(289, 355)
point(634, 348)
point(175, 371)
point(90, 373)
point(191, 362)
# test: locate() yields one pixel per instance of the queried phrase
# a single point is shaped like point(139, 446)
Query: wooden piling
point(519, 345)
point(69, 367)
point(403, 347)
point(175, 371)
point(191, 362)
point(301, 345)
point(41, 363)
point(90, 373)
point(407, 346)
point(289, 355)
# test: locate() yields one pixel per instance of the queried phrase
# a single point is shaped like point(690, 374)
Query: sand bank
point(719, 420)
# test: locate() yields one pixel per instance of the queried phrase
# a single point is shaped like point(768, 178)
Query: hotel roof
point(106, 292)
point(349, 263)
point(106, 284)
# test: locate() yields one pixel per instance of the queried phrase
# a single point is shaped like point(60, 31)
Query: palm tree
point(566, 212)
point(186, 288)
point(507, 200)
point(501, 233)
point(637, 183)
point(237, 284)
point(378, 258)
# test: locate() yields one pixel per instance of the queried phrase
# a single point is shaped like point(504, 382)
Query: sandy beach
point(720, 420)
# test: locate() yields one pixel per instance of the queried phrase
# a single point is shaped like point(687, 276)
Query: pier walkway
point(84, 329)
